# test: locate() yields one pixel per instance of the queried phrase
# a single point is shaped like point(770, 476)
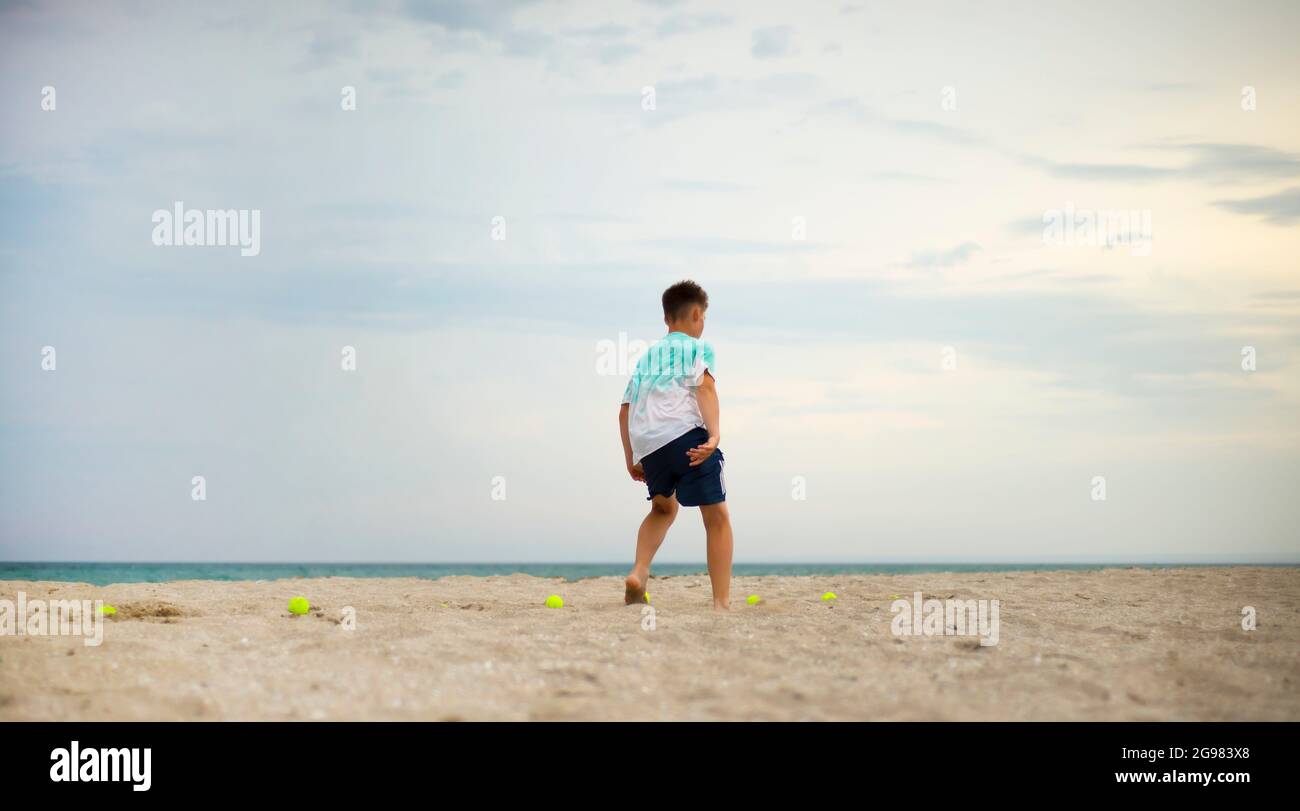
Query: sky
point(476, 201)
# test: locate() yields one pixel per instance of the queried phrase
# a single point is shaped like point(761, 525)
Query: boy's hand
point(701, 452)
point(637, 472)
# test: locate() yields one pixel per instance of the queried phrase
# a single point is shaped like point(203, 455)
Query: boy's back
point(662, 392)
point(670, 423)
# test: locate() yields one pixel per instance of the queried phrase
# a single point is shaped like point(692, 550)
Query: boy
point(670, 427)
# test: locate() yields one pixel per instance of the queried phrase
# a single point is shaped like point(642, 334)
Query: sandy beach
point(1118, 644)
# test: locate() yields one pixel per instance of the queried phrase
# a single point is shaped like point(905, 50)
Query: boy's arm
point(706, 394)
point(635, 470)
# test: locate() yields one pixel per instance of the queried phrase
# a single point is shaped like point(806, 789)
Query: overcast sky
point(861, 187)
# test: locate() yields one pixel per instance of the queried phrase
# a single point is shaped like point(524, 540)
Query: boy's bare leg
point(717, 528)
point(663, 509)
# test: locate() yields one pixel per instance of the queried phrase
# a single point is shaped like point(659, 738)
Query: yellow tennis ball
point(107, 610)
point(555, 601)
point(830, 595)
point(647, 598)
point(299, 605)
point(753, 599)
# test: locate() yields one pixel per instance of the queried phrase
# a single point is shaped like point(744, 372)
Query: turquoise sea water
point(102, 574)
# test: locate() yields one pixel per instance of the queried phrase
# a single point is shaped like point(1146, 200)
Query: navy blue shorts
point(669, 469)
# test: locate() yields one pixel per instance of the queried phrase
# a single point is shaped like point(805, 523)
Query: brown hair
point(679, 299)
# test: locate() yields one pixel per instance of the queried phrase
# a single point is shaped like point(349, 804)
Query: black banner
point(534, 761)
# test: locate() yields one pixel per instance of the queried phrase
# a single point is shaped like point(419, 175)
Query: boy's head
point(684, 306)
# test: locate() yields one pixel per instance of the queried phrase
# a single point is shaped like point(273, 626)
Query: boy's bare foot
point(721, 606)
point(634, 590)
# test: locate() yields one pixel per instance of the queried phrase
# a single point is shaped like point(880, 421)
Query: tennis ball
point(555, 601)
point(830, 595)
point(299, 605)
point(647, 598)
point(107, 610)
point(753, 599)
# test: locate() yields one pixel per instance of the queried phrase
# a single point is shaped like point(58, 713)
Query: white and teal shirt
point(661, 393)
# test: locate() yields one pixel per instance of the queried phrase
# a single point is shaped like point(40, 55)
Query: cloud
point(903, 177)
point(706, 186)
point(484, 17)
point(609, 42)
point(690, 23)
point(606, 31)
point(855, 110)
point(1029, 226)
point(329, 48)
point(530, 43)
point(787, 86)
point(1099, 171)
point(720, 246)
point(492, 20)
point(773, 42)
point(616, 52)
point(695, 95)
point(1214, 162)
point(1282, 208)
point(1278, 295)
point(450, 79)
point(1169, 87)
point(1220, 161)
point(1207, 161)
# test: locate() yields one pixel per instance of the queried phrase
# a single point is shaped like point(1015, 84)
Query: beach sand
point(1118, 644)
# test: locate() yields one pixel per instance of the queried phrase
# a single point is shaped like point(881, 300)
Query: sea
point(102, 574)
